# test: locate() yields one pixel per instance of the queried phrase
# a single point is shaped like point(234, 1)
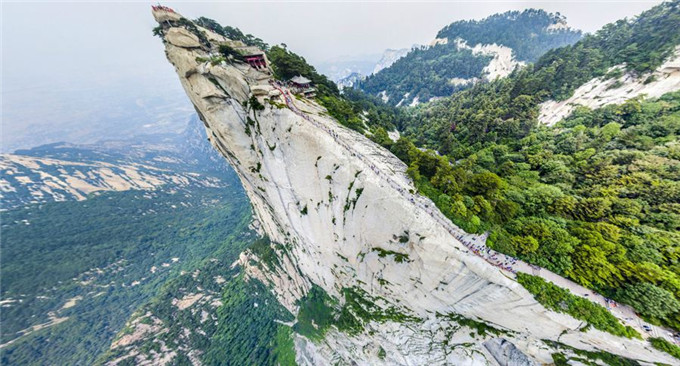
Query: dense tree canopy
point(232, 33)
point(594, 198)
point(427, 72)
point(528, 33)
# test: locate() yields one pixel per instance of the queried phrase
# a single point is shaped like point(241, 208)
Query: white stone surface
point(502, 63)
point(182, 38)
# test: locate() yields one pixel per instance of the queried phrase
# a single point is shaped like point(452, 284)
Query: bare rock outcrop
point(181, 37)
point(599, 92)
point(507, 354)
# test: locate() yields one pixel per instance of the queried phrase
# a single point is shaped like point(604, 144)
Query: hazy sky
point(49, 39)
point(48, 46)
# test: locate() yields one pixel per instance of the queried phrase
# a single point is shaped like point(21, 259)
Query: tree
point(402, 149)
point(381, 137)
point(486, 184)
point(651, 301)
point(608, 132)
point(591, 267)
point(525, 244)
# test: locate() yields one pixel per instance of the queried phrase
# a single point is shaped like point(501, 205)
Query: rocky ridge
point(602, 91)
point(340, 209)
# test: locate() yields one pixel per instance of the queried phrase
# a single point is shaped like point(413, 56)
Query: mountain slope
point(62, 171)
point(592, 197)
point(73, 270)
point(373, 273)
point(636, 49)
point(465, 51)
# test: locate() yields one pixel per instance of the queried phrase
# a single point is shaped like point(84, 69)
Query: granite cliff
point(342, 217)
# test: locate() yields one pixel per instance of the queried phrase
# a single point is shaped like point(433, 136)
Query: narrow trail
point(477, 243)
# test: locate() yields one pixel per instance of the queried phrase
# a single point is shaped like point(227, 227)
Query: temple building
point(301, 85)
point(254, 56)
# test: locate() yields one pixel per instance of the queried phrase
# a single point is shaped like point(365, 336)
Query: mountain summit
point(467, 51)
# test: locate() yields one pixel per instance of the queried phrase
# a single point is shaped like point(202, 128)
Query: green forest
point(242, 329)
point(594, 198)
point(426, 72)
point(526, 32)
point(102, 250)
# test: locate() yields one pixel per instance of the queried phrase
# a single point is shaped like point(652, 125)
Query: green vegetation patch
point(480, 328)
point(244, 329)
point(316, 315)
point(561, 300)
point(319, 311)
point(398, 257)
point(263, 249)
point(665, 346)
point(588, 357)
point(248, 332)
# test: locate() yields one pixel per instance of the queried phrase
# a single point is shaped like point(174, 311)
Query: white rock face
point(598, 92)
point(461, 81)
point(558, 26)
point(394, 135)
point(437, 41)
point(349, 80)
point(389, 57)
point(320, 190)
point(383, 96)
point(182, 38)
point(402, 344)
point(502, 63)
point(507, 354)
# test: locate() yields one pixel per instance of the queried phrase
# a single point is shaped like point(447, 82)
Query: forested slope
point(595, 197)
point(428, 71)
point(509, 107)
point(73, 272)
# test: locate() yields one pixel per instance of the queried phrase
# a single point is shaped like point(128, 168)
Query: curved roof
point(300, 80)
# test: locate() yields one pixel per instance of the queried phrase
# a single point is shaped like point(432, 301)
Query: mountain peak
point(470, 50)
point(350, 236)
